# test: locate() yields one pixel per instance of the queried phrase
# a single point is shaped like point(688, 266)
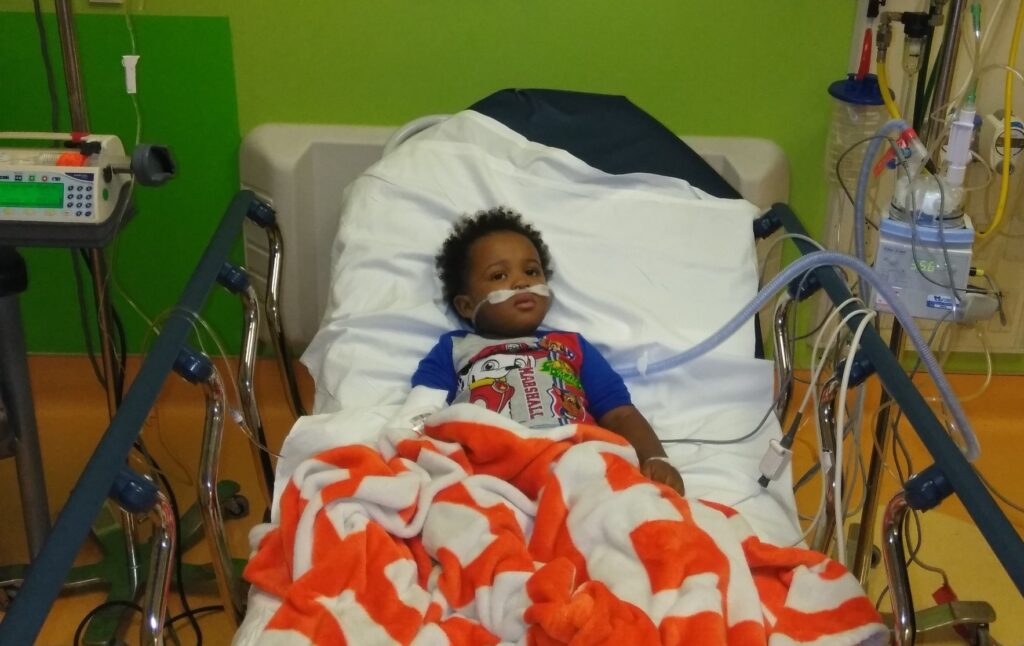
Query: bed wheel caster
point(237, 506)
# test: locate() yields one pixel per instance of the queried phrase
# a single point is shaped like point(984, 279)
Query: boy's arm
point(628, 422)
point(433, 386)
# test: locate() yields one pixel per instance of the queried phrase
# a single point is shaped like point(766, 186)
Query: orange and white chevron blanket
point(479, 531)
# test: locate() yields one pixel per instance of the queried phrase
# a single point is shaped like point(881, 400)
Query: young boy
point(494, 269)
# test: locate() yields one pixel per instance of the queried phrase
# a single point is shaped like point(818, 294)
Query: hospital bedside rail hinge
point(263, 215)
point(923, 491)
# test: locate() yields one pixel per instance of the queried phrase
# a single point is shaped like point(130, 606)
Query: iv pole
point(97, 260)
point(862, 559)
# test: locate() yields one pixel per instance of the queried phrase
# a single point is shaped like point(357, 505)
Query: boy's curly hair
point(451, 261)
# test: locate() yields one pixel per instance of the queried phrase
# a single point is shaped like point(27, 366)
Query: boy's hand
point(665, 473)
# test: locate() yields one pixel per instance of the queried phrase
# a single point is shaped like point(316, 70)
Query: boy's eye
point(533, 271)
point(498, 275)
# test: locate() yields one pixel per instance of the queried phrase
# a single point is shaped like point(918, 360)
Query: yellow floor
point(72, 415)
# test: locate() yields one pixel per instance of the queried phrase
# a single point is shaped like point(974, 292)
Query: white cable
point(130, 25)
point(840, 514)
point(817, 365)
point(988, 366)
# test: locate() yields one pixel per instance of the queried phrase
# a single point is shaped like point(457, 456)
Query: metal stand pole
point(80, 123)
point(22, 439)
point(873, 481)
point(865, 544)
point(946, 65)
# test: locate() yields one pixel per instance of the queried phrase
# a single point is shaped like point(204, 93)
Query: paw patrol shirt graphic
point(532, 380)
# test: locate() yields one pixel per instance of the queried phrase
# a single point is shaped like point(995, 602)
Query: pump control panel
point(78, 185)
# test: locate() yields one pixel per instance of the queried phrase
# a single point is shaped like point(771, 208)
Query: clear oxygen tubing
point(1004, 184)
point(859, 202)
point(792, 272)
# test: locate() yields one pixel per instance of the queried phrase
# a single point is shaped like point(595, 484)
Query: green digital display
point(40, 195)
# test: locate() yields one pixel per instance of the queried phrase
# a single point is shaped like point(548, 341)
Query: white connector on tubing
point(129, 62)
point(958, 152)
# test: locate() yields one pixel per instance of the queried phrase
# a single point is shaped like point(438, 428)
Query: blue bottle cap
point(862, 92)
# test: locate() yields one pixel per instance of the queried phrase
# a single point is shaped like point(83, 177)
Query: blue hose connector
point(194, 367)
point(261, 213)
point(233, 278)
point(925, 490)
point(862, 368)
point(133, 492)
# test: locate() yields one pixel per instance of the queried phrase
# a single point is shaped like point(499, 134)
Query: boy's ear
point(463, 305)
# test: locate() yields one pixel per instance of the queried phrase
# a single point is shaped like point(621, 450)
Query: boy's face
point(503, 260)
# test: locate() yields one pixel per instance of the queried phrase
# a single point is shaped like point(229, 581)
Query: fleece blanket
point(478, 531)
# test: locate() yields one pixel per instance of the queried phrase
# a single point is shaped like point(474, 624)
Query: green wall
point(187, 100)
point(213, 71)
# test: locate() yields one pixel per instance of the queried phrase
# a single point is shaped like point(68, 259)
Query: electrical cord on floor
point(195, 611)
point(168, 624)
point(178, 561)
point(97, 610)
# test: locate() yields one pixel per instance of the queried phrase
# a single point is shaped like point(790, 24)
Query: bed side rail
point(1006, 544)
point(45, 576)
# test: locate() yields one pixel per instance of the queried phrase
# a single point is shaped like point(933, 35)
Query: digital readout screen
point(43, 195)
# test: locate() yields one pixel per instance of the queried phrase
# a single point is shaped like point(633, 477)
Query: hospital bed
point(628, 200)
point(653, 251)
point(303, 171)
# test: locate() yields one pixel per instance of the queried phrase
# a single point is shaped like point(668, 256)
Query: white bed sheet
point(645, 267)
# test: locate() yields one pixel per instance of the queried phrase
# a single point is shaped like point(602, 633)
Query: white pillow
point(644, 264)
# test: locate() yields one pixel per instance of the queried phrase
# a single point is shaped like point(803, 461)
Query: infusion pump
point(76, 184)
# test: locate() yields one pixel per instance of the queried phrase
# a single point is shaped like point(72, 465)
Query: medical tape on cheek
point(502, 295)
